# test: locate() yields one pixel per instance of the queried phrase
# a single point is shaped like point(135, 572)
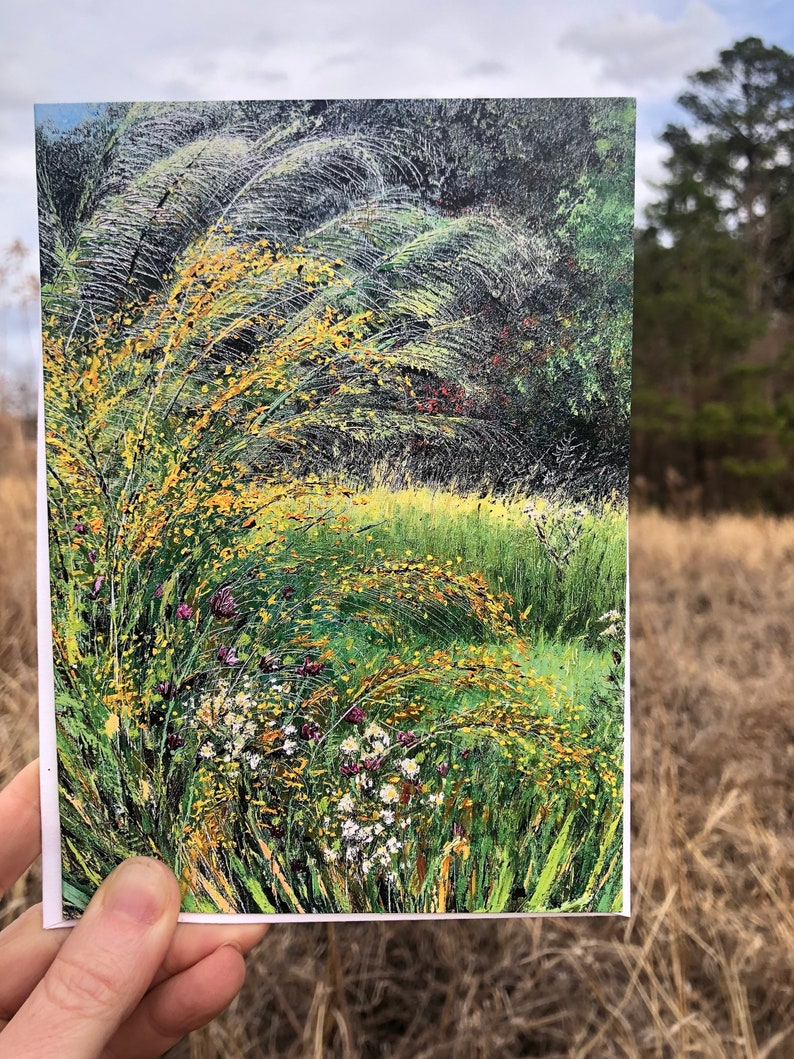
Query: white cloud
point(650, 172)
point(15, 163)
point(84, 51)
point(640, 50)
point(17, 177)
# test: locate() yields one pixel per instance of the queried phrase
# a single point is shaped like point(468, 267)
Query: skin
point(127, 981)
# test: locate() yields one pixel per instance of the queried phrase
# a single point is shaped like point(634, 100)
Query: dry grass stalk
point(705, 967)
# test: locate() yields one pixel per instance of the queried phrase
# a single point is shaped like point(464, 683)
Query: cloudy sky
point(98, 50)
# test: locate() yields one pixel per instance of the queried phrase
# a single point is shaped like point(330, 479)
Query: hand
point(126, 982)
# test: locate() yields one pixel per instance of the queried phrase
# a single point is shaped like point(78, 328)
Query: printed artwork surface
point(336, 413)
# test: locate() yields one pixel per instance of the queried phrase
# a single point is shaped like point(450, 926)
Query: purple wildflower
point(406, 739)
point(227, 656)
point(166, 689)
point(372, 764)
point(355, 715)
point(80, 527)
point(443, 768)
point(465, 754)
point(92, 556)
point(184, 612)
point(269, 664)
point(158, 592)
point(174, 741)
point(288, 591)
point(458, 830)
point(309, 668)
point(350, 770)
point(312, 732)
point(222, 603)
point(94, 593)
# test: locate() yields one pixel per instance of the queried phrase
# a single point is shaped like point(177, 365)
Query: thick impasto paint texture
point(336, 437)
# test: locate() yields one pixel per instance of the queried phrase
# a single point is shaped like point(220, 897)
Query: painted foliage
point(336, 432)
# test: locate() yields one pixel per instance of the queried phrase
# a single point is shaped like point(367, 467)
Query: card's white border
point(52, 896)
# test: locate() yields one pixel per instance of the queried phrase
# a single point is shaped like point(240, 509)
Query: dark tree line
point(714, 320)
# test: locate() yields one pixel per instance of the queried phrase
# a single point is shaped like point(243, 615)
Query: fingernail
point(139, 889)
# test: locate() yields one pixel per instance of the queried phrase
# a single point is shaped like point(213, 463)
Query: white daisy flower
point(350, 830)
point(409, 768)
point(374, 733)
point(349, 745)
point(389, 793)
point(346, 804)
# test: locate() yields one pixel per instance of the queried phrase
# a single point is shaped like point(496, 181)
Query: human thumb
point(103, 968)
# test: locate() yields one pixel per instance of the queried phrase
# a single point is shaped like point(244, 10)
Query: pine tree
point(715, 268)
point(733, 165)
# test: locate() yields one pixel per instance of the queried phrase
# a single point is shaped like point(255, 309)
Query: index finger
point(20, 825)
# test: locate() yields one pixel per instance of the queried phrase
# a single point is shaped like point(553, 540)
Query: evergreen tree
point(715, 268)
point(733, 166)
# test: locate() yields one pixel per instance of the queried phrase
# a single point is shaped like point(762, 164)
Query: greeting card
point(333, 547)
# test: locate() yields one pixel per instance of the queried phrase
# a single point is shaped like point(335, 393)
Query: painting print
point(337, 404)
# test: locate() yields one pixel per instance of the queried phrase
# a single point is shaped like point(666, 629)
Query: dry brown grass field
point(705, 965)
